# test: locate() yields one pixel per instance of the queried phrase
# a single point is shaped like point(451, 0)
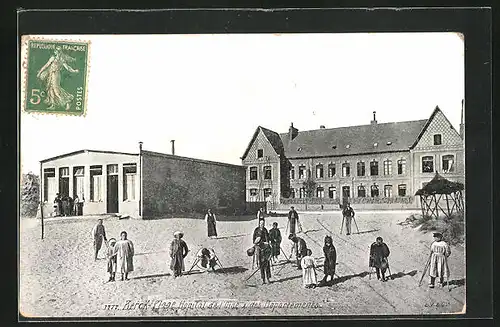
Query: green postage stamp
point(56, 77)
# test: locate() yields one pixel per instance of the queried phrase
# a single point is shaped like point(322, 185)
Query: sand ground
point(59, 277)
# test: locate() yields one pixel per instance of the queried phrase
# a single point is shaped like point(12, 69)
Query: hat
point(112, 240)
point(181, 234)
point(437, 234)
point(251, 251)
point(328, 238)
point(257, 240)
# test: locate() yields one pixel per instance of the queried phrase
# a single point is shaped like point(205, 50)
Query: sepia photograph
point(251, 174)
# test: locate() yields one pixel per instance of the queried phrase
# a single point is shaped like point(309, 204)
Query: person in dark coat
point(178, 251)
point(348, 214)
point(261, 215)
point(58, 205)
point(299, 247)
point(379, 251)
point(330, 259)
point(293, 220)
point(98, 234)
point(65, 205)
point(262, 251)
point(211, 224)
point(275, 239)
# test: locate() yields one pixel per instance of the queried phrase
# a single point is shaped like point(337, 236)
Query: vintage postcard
point(242, 174)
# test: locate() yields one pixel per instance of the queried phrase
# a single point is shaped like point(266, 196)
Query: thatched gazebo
point(434, 191)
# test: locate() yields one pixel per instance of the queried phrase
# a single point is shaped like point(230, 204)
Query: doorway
point(112, 189)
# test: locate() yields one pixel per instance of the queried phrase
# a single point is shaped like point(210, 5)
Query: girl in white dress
point(440, 251)
point(308, 272)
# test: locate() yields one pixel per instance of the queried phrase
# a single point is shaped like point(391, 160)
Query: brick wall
point(176, 185)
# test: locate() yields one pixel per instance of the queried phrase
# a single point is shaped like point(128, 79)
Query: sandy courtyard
point(59, 277)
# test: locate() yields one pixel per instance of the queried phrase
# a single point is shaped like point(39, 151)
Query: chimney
point(140, 147)
point(374, 121)
point(462, 127)
point(322, 126)
point(173, 147)
point(292, 132)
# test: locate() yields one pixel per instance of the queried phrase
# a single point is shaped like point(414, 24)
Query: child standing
point(440, 251)
point(111, 259)
point(308, 270)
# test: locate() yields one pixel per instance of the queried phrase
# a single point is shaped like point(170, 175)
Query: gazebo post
point(436, 205)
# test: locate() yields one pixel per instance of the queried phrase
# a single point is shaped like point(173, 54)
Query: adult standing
point(261, 215)
point(65, 205)
point(98, 233)
point(58, 205)
point(293, 220)
point(330, 263)
point(379, 251)
point(440, 251)
point(275, 239)
point(348, 214)
point(76, 205)
point(262, 251)
point(299, 247)
point(211, 224)
point(178, 251)
point(124, 250)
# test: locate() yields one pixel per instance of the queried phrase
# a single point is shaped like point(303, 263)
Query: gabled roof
point(434, 113)
point(342, 141)
point(273, 138)
point(84, 151)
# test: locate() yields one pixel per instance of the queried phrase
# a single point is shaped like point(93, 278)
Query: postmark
point(56, 77)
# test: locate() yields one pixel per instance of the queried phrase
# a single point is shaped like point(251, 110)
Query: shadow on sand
point(230, 236)
point(151, 276)
point(231, 270)
point(457, 282)
point(402, 274)
point(367, 231)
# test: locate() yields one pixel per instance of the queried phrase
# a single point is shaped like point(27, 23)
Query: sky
point(210, 92)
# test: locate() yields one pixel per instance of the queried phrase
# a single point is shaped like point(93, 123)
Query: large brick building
point(144, 184)
point(379, 163)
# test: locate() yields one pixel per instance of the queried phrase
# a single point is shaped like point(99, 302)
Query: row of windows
point(346, 169)
point(267, 171)
point(95, 178)
point(346, 191)
point(447, 164)
point(266, 192)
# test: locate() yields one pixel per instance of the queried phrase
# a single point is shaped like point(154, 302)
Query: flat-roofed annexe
point(144, 184)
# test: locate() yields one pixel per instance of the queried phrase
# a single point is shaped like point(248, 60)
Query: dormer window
point(437, 139)
point(389, 142)
point(347, 146)
point(299, 149)
point(260, 153)
point(334, 147)
point(375, 144)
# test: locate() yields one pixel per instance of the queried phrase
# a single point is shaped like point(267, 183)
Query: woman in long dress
point(308, 272)
point(178, 251)
point(330, 259)
point(111, 259)
point(124, 250)
point(440, 251)
point(50, 75)
point(211, 224)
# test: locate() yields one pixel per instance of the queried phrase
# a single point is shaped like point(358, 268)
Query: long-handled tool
point(425, 269)
point(355, 223)
point(389, 267)
point(342, 226)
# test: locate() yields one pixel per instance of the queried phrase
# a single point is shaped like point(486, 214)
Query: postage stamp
point(56, 77)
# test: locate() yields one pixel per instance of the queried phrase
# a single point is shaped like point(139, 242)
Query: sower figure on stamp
point(299, 247)
point(50, 75)
point(275, 239)
point(98, 233)
point(124, 250)
point(262, 251)
point(178, 251)
point(293, 220)
point(111, 259)
point(348, 214)
point(330, 263)
point(211, 224)
point(440, 251)
point(261, 215)
point(379, 251)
